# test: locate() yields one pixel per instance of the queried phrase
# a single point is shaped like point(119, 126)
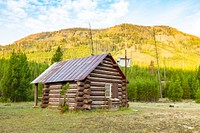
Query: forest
point(17, 73)
point(178, 54)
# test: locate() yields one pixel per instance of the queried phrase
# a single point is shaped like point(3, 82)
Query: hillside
point(175, 48)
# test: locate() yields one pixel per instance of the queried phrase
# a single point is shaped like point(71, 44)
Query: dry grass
point(140, 117)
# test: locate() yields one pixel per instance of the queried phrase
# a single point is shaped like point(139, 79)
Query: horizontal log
point(107, 59)
point(87, 81)
point(120, 93)
point(79, 104)
point(87, 106)
point(55, 95)
point(124, 100)
point(87, 101)
point(45, 89)
point(45, 101)
point(99, 102)
point(45, 94)
point(44, 105)
point(86, 86)
point(106, 65)
point(53, 103)
point(56, 99)
point(72, 104)
point(45, 97)
point(79, 93)
point(98, 98)
point(100, 84)
point(105, 76)
point(55, 91)
point(93, 97)
point(71, 90)
point(124, 96)
point(46, 86)
point(120, 97)
point(56, 86)
point(71, 95)
point(123, 88)
point(106, 72)
point(73, 86)
point(106, 68)
point(86, 96)
point(104, 80)
point(124, 92)
point(96, 88)
point(123, 83)
point(79, 99)
point(71, 100)
point(79, 83)
point(79, 108)
point(107, 62)
point(87, 91)
point(119, 89)
point(97, 93)
point(99, 106)
point(80, 88)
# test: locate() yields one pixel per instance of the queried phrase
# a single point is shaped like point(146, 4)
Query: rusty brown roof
point(71, 70)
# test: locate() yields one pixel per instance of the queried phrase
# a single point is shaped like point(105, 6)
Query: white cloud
point(24, 17)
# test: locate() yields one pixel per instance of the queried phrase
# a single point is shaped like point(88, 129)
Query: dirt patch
point(159, 117)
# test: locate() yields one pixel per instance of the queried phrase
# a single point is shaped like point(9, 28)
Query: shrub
point(175, 91)
point(197, 100)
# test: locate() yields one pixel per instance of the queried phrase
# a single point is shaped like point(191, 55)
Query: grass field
point(140, 117)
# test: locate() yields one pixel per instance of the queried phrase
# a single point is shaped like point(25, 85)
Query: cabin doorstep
point(94, 82)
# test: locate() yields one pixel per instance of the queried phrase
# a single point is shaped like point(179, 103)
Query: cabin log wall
point(90, 92)
point(104, 73)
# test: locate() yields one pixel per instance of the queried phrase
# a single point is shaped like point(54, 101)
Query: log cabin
point(94, 82)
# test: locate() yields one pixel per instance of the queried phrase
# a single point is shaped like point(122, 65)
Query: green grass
point(140, 117)
point(21, 117)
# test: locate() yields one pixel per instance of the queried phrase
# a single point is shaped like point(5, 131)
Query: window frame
point(108, 89)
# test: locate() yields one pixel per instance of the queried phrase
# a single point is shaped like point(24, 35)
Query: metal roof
point(71, 70)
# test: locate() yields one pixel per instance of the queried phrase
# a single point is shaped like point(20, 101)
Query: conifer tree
point(175, 91)
point(16, 80)
point(194, 87)
point(186, 89)
point(57, 56)
point(197, 96)
point(198, 73)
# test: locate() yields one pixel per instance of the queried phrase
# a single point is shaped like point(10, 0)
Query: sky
point(20, 18)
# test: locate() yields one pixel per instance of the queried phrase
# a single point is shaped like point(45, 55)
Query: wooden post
point(36, 95)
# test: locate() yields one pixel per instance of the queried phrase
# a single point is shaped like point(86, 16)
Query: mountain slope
point(176, 48)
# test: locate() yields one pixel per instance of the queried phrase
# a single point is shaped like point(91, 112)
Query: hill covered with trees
point(175, 48)
point(178, 55)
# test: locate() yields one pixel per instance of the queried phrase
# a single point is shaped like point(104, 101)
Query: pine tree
point(198, 73)
point(16, 81)
point(194, 87)
point(175, 91)
point(197, 96)
point(57, 56)
point(186, 89)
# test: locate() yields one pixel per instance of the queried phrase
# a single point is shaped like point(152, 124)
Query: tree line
point(17, 73)
point(177, 84)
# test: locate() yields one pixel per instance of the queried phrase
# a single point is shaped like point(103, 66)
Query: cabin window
point(108, 88)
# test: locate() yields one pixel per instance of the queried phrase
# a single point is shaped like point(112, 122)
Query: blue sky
point(20, 18)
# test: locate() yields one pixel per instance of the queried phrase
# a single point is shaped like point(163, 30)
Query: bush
point(197, 100)
point(175, 91)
